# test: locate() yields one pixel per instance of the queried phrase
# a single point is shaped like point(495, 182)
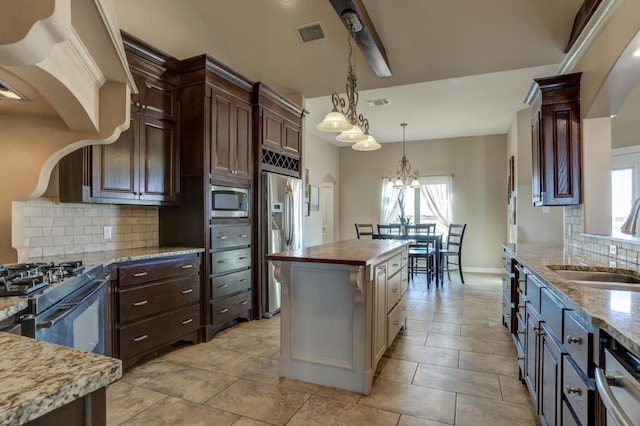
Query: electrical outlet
point(107, 233)
point(613, 250)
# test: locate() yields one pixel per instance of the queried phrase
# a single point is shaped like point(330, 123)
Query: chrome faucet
point(629, 225)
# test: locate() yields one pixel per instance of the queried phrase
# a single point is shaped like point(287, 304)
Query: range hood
point(66, 61)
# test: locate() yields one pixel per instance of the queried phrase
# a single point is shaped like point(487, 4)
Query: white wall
point(321, 159)
point(478, 166)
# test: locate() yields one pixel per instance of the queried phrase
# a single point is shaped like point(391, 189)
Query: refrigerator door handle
point(288, 207)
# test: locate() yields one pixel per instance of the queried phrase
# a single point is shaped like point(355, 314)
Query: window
point(431, 203)
point(625, 184)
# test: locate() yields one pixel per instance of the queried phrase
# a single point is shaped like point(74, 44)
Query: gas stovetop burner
point(25, 278)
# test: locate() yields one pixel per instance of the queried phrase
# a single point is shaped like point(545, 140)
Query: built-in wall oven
point(66, 303)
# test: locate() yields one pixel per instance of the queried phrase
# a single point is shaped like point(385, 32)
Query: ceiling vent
point(310, 32)
point(378, 102)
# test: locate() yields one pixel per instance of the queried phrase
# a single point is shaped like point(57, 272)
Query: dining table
point(436, 239)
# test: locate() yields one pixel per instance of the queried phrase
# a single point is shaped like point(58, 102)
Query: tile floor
point(455, 364)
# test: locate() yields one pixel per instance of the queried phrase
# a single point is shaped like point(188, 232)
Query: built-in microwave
point(227, 201)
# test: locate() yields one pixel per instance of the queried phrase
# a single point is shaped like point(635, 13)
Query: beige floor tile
point(192, 384)
point(425, 354)
point(339, 394)
point(433, 327)
point(125, 400)
point(504, 348)
point(257, 369)
point(416, 401)
point(258, 401)
point(245, 421)
point(412, 337)
point(470, 344)
point(417, 421)
point(396, 370)
point(244, 343)
point(496, 332)
point(457, 380)
point(204, 356)
point(475, 411)
point(513, 390)
point(507, 366)
point(141, 373)
point(325, 411)
point(175, 411)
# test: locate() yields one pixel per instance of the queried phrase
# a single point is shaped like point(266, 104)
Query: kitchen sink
point(608, 280)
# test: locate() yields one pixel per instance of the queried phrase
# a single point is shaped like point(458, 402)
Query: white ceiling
point(459, 67)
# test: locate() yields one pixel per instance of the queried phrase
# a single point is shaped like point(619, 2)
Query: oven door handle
point(608, 398)
point(64, 309)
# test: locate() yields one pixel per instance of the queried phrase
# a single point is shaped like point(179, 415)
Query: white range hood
point(67, 59)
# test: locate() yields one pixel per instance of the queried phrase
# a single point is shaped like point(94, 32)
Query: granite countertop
point(616, 312)
point(38, 377)
point(10, 306)
point(346, 252)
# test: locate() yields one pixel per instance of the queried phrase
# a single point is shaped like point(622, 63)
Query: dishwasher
point(618, 385)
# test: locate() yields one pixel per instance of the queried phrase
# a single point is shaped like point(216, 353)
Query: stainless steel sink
point(608, 280)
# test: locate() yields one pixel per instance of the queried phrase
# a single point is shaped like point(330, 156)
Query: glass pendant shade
point(334, 122)
point(398, 183)
point(415, 183)
point(352, 135)
point(369, 144)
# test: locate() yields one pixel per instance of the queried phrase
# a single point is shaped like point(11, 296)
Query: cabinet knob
point(144, 107)
point(571, 339)
point(571, 389)
point(138, 104)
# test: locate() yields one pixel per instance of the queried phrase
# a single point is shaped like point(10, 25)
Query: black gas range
point(21, 279)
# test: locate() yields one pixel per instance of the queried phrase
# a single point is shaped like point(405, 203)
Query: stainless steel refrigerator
point(283, 216)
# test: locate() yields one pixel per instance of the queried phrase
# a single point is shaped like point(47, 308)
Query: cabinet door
point(241, 147)
point(537, 172)
point(221, 128)
point(291, 137)
point(272, 130)
point(550, 378)
point(380, 312)
point(158, 151)
point(531, 352)
point(156, 98)
point(560, 133)
point(115, 170)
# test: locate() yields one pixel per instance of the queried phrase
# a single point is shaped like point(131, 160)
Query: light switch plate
point(613, 250)
point(107, 233)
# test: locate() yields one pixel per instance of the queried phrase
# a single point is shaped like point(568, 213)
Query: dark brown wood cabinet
point(556, 142)
point(141, 166)
point(157, 304)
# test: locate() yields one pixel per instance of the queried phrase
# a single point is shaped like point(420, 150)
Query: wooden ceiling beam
point(366, 39)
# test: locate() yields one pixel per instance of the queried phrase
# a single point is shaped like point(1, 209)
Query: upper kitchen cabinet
point(141, 166)
point(278, 123)
point(555, 131)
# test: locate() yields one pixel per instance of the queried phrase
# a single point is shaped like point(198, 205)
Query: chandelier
point(404, 176)
point(344, 116)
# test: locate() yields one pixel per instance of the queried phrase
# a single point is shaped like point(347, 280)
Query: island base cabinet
point(88, 410)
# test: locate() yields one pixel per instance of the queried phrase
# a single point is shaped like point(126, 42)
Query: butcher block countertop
point(40, 377)
point(616, 312)
point(347, 252)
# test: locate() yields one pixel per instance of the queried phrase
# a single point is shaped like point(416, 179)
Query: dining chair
point(451, 253)
point(364, 230)
point(421, 250)
point(390, 229)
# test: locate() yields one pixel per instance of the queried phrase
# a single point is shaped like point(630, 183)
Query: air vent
point(378, 102)
point(310, 32)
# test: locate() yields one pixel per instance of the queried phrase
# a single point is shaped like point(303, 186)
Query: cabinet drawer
point(532, 291)
point(567, 416)
point(577, 390)
point(394, 264)
point(393, 291)
point(552, 311)
point(405, 257)
point(404, 280)
point(157, 270)
point(223, 237)
point(578, 341)
point(234, 282)
point(148, 334)
point(229, 308)
point(396, 319)
point(151, 299)
point(230, 260)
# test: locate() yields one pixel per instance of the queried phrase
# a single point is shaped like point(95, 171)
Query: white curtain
point(389, 210)
point(436, 192)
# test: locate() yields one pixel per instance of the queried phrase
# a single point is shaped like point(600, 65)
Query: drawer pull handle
point(382, 267)
point(222, 311)
point(519, 290)
point(242, 280)
point(243, 257)
point(187, 291)
point(242, 235)
point(521, 332)
point(520, 358)
point(395, 290)
point(140, 303)
point(187, 266)
point(223, 237)
point(223, 286)
point(244, 302)
point(394, 264)
point(221, 261)
point(140, 274)
point(187, 321)
point(140, 339)
point(518, 314)
point(571, 339)
point(571, 389)
point(396, 322)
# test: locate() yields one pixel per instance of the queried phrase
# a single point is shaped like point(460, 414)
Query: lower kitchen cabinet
point(158, 304)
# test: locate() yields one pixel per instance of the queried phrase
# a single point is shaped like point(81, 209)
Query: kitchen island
point(343, 303)
point(51, 384)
